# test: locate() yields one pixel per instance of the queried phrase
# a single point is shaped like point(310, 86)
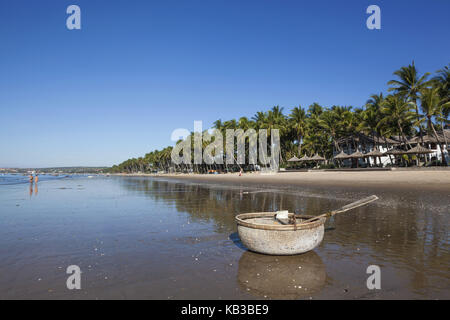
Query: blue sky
point(137, 70)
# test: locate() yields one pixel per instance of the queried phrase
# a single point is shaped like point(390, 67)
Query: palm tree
point(297, 120)
point(371, 117)
point(328, 122)
point(230, 124)
point(409, 85)
point(218, 124)
point(259, 118)
point(245, 124)
point(274, 119)
point(397, 111)
point(432, 106)
point(315, 109)
point(442, 80)
point(343, 116)
point(375, 102)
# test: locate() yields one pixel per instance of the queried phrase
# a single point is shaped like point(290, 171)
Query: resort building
point(361, 150)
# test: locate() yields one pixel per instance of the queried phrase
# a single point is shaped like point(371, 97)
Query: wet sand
point(161, 238)
point(426, 180)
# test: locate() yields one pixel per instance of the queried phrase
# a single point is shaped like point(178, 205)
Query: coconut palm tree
point(371, 116)
point(409, 84)
point(432, 105)
point(230, 124)
point(315, 109)
point(442, 80)
point(274, 119)
point(245, 124)
point(218, 125)
point(397, 111)
point(259, 118)
point(375, 102)
point(297, 120)
point(328, 122)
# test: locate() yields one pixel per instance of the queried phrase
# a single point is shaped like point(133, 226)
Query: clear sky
point(137, 70)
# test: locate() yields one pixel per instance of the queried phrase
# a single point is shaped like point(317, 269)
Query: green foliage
point(415, 101)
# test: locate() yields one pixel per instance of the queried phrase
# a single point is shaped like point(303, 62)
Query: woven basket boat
point(265, 232)
point(260, 232)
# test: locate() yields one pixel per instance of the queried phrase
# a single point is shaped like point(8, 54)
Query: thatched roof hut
point(317, 158)
point(419, 150)
point(342, 155)
point(305, 158)
point(430, 138)
point(356, 154)
point(374, 153)
point(294, 159)
point(395, 152)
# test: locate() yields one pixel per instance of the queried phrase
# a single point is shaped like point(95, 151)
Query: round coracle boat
point(260, 232)
point(283, 233)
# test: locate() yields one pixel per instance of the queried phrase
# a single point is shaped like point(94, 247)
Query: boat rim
point(240, 219)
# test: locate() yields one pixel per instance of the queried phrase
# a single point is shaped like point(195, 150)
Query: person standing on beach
point(36, 179)
point(31, 178)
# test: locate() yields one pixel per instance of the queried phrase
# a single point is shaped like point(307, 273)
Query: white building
point(369, 143)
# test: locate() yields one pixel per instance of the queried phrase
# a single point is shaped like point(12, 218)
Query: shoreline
point(398, 180)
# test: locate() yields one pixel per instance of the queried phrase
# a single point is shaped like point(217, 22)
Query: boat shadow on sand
point(279, 277)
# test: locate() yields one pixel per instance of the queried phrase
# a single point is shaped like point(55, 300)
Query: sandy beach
point(437, 179)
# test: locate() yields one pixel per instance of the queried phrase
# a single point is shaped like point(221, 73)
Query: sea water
point(152, 238)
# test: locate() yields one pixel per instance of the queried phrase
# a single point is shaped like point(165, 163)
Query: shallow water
point(11, 179)
point(146, 238)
